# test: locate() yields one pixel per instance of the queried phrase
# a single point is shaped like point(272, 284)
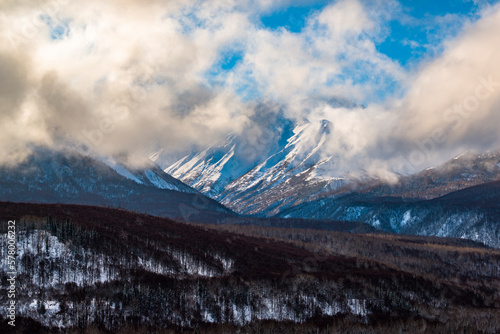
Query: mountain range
point(293, 172)
point(232, 183)
point(49, 176)
point(295, 181)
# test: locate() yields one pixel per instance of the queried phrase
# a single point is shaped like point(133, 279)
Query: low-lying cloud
point(115, 78)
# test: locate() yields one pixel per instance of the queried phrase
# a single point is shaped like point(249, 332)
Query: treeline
point(437, 259)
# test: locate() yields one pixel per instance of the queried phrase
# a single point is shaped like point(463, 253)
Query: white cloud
point(132, 76)
point(449, 107)
point(335, 45)
point(114, 81)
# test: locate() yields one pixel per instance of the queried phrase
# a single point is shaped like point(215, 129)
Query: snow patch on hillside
point(158, 182)
point(119, 168)
point(406, 218)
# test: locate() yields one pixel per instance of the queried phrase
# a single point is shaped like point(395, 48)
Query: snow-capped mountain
point(294, 171)
point(471, 213)
point(69, 177)
point(212, 169)
point(149, 175)
point(292, 175)
point(465, 170)
point(294, 182)
point(458, 199)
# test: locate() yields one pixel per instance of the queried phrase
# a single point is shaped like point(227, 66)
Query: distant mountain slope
point(91, 269)
point(288, 177)
point(295, 170)
point(150, 175)
point(466, 170)
point(472, 213)
point(212, 169)
point(68, 177)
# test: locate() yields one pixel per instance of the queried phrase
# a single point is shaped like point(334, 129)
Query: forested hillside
point(101, 270)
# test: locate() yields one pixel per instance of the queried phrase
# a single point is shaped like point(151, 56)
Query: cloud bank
point(132, 77)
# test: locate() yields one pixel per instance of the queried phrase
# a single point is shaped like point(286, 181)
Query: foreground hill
point(105, 270)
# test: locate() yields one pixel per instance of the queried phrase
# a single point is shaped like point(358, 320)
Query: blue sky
point(291, 18)
point(415, 32)
point(425, 25)
point(409, 33)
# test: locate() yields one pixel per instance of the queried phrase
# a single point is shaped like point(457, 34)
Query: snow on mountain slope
point(288, 177)
point(69, 177)
point(84, 267)
point(210, 170)
point(471, 213)
point(291, 173)
point(294, 182)
point(150, 175)
point(465, 170)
